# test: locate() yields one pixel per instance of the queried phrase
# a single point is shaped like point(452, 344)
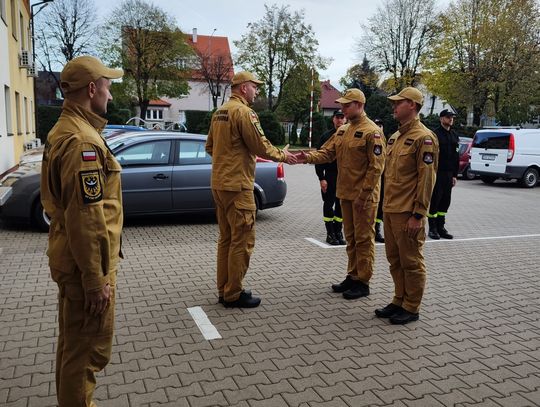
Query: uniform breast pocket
point(406, 165)
point(358, 144)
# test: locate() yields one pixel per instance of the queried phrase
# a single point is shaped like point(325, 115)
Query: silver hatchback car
point(162, 173)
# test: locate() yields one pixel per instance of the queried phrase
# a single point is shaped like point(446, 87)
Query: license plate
point(489, 157)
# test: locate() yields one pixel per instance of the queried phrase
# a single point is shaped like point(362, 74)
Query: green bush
point(118, 114)
point(197, 121)
point(47, 116)
point(272, 127)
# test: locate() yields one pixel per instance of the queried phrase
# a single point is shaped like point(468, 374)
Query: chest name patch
point(91, 190)
point(428, 157)
point(89, 155)
point(340, 133)
point(409, 142)
point(358, 134)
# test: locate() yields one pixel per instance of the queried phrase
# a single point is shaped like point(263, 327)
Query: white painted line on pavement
point(208, 330)
point(327, 246)
point(482, 238)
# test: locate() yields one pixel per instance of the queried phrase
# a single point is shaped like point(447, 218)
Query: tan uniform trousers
point(359, 228)
point(84, 346)
point(406, 260)
point(235, 212)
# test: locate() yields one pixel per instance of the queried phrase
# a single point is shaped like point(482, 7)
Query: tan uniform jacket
point(411, 169)
point(81, 191)
point(234, 140)
point(360, 151)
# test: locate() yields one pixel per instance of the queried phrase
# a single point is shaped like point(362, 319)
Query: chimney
point(194, 36)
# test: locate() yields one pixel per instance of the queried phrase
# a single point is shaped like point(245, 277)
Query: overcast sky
point(336, 23)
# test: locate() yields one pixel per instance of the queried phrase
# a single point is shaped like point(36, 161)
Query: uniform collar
point(240, 99)
point(405, 127)
point(93, 119)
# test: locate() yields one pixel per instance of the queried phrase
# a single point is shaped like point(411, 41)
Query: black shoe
point(389, 311)
point(221, 300)
point(403, 317)
point(343, 286)
point(340, 240)
point(444, 234)
point(378, 237)
point(331, 240)
point(433, 234)
point(358, 290)
point(244, 301)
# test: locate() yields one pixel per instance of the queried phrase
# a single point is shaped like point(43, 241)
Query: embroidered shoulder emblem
point(428, 157)
point(377, 149)
point(91, 186)
point(255, 121)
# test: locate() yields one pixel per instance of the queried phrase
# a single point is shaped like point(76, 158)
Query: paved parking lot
point(477, 341)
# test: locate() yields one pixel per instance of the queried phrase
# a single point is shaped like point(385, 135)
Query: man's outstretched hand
point(290, 158)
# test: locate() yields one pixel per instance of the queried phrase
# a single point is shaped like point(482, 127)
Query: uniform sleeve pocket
point(112, 164)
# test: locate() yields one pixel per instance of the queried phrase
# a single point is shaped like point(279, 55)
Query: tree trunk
point(143, 105)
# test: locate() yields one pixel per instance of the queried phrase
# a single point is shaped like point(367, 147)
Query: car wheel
point(487, 179)
point(529, 178)
point(467, 174)
point(40, 217)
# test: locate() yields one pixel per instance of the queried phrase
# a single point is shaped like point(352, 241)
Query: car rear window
point(491, 140)
point(462, 147)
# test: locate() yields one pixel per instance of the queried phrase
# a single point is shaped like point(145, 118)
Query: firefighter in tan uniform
point(411, 168)
point(81, 192)
point(359, 149)
point(234, 140)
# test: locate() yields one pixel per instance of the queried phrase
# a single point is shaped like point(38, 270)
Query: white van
point(507, 153)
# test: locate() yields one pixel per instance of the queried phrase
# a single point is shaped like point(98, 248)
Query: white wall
point(6, 143)
point(198, 99)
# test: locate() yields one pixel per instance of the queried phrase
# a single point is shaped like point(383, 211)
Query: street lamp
point(43, 4)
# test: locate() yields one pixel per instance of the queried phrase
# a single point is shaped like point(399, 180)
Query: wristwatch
point(418, 216)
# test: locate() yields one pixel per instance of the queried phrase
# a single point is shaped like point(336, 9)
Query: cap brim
point(344, 100)
point(113, 73)
point(396, 97)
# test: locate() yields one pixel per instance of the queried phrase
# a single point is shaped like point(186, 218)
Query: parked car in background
point(465, 144)
point(162, 173)
point(110, 130)
point(507, 153)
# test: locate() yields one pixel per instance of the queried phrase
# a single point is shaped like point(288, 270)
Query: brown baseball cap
point(244, 76)
point(80, 71)
point(352, 95)
point(409, 93)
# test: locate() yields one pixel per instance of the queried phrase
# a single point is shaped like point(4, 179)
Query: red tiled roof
point(211, 45)
point(328, 96)
point(159, 102)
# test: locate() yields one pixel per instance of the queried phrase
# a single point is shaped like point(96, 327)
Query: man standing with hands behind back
point(327, 174)
point(409, 177)
point(234, 140)
point(80, 190)
point(446, 176)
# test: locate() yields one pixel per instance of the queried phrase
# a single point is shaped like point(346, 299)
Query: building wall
point(20, 114)
point(6, 142)
point(199, 98)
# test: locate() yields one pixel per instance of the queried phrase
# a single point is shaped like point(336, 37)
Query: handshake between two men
point(294, 158)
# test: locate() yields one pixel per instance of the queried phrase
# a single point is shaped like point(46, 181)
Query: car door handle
point(160, 176)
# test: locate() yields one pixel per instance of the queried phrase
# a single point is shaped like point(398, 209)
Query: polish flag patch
point(89, 155)
point(428, 142)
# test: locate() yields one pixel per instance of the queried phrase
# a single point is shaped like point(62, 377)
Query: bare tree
point(66, 29)
point(216, 69)
point(397, 37)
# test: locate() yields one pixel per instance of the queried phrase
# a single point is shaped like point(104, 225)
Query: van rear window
point(492, 140)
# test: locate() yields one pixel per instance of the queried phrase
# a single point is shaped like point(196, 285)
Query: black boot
point(344, 285)
point(378, 237)
point(433, 233)
point(330, 236)
point(338, 226)
point(358, 290)
point(441, 229)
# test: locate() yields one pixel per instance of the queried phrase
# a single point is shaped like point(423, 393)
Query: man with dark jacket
point(446, 176)
point(327, 174)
